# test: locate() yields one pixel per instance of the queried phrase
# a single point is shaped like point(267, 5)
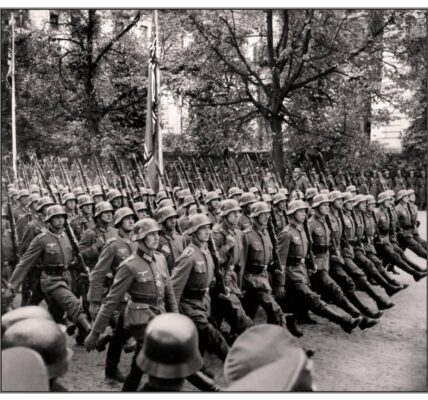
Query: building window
point(54, 19)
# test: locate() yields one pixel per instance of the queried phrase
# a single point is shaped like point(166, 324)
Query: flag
point(153, 136)
point(10, 55)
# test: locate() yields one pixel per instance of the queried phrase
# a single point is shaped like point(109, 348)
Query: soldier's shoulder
point(247, 230)
point(42, 235)
point(188, 251)
point(111, 240)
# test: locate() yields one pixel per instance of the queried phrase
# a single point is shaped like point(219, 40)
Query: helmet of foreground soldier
point(121, 213)
point(401, 194)
point(96, 191)
point(197, 221)
point(140, 205)
point(382, 197)
point(21, 313)
point(46, 338)
point(78, 191)
point(23, 370)
point(247, 198)
point(161, 195)
point(44, 201)
point(85, 200)
point(164, 213)
point(227, 206)
point(102, 206)
point(54, 211)
point(410, 191)
point(33, 198)
point(166, 202)
point(258, 208)
point(143, 227)
point(296, 205)
point(170, 349)
point(320, 199)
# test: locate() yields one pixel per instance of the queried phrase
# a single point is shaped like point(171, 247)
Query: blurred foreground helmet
point(21, 313)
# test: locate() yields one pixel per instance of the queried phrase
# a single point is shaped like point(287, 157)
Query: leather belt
point(255, 269)
point(295, 260)
point(156, 302)
point(197, 294)
point(320, 249)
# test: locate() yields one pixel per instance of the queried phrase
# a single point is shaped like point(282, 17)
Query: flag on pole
point(153, 136)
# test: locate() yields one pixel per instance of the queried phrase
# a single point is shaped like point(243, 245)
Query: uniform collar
point(295, 225)
point(168, 234)
point(57, 235)
point(258, 228)
point(201, 246)
point(227, 227)
point(144, 255)
point(123, 238)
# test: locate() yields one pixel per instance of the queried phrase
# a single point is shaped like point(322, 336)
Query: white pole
point(15, 173)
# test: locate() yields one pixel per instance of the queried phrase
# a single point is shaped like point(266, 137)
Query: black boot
point(384, 304)
point(347, 306)
point(356, 301)
point(84, 327)
point(368, 323)
point(381, 302)
point(391, 290)
point(303, 317)
point(114, 373)
point(419, 275)
point(130, 345)
point(290, 321)
point(102, 341)
point(346, 323)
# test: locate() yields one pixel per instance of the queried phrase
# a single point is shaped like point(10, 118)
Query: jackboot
point(347, 306)
point(84, 327)
point(356, 301)
point(346, 323)
point(114, 373)
point(290, 322)
point(368, 323)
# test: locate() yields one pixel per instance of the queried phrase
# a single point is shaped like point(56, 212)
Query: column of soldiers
point(213, 256)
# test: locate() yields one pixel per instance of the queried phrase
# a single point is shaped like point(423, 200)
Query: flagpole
point(157, 72)
point(15, 172)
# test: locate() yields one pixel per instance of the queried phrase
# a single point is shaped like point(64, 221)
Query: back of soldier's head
point(43, 336)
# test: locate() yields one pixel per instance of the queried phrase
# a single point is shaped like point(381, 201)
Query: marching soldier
point(31, 214)
point(69, 202)
point(53, 247)
point(212, 202)
point(293, 250)
point(8, 258)
point(115, 251)
point(93, 240)
point(141, 209)
point(228, 240)
point(115, 198)
point(145, 277)
point(191, 279)
point(245, 202)
point(171, 244)
point(235, 193)
point(23, 197)
point(301, 181)
point(415, 222)
point(84, 221)
point(183, 221)
point(97, 194)
point(405, 219)
point(279, 208)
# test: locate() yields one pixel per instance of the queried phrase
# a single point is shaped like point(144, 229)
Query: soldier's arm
point(170, 300)
point(27, 261)
point(29, 234)
point(222, 248)
point(180, 274)
point(121, 284)
point(283, 247)
point(88, 246)
point(99, 272)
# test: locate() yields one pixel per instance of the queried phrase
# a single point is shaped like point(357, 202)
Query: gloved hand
point(91, 341)
point(279, 292)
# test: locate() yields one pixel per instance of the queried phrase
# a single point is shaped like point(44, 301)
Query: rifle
point(244, 180)
point(220, 284)
point(85, 181)
point(124, 184)
point(100, 177)
point(83, 280)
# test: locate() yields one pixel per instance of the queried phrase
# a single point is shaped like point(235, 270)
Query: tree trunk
point(277, 150)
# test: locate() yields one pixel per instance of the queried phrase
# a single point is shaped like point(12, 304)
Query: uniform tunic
point(171, 245)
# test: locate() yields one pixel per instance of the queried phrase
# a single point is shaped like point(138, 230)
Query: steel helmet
point(347, 197)
point(334, 195)
point(21, 313)
point(121, 213)
point(247, 198)
point(267, 198)
point(197, 221)
point(44, 201)
point(143, 191)
point(170, 349)
point(410, 191)
point(34, 188)
point(33, 198)
point(84, 200)
point(140, 205)
point(166, 202)
point(102, 206)
point(143, 227)
point(359, 198)
point(297, 195)
point(22, 193)
point(271, 191)
point(97, 191)
point(165, 212)
point(325, 191)
point(211, 196)
point(310, 192)
point(258, 208)
point(254, 190)
point(370, 199)
point(320, 199)
point(296, 205)
point(351, 188)
point(383, 197)
point(233, 191)
point(193, 209)
point(13, 192)
point(43, 336)
point(78, 191)
point(188, 200)
point(68, 196)
point(279, 197)
point(183, 193)
point(113, 194)
point(161, 195)
point(284, 190)
point(227, 206)
point(402, 193)
point(54, 211)
point(391, 193)
point(174, 191)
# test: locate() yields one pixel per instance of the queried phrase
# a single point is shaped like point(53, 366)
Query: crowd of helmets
point(30, 337)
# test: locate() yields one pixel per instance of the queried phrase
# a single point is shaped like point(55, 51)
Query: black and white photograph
point(213, 198)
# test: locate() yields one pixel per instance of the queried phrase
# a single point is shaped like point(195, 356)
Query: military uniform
point(22, 223)
point(230, 307)
point(92, 241)
point(405, 237)
point(81, 223)
point(19, 212)
point(415, 232)
point(171, 245)
point(257, 255)
point(213, 216)
point(146, 279)
point(281, 222)
point(55, 252)
point(191, 279)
